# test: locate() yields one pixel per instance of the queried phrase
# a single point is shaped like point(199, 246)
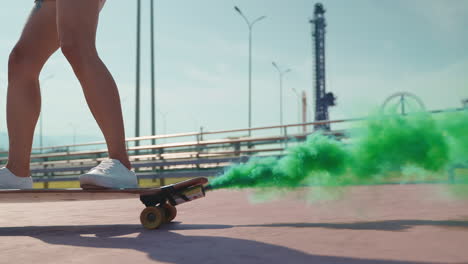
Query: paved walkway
point(377, 224)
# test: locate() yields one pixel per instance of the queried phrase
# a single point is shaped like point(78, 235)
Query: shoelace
point(105, 166)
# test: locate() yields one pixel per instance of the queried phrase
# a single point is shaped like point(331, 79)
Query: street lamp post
point(250, 25)
point(137, 78)
point(299, 98)
point(153, 92)
point(281, 75)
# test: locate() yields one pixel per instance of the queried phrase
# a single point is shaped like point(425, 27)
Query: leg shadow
point(166, 246)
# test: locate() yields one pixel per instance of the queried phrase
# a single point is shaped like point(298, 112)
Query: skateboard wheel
point(152, 217)
point(171, 212)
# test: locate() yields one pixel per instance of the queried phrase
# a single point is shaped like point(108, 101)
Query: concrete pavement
point(371, 224)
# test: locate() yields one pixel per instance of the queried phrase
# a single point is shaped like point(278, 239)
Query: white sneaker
point(10, 181)
point(109, 173)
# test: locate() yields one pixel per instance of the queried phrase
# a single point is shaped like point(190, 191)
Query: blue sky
point(374, 49)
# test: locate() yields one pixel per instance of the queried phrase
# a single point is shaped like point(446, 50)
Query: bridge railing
point(201, 135)
point(176, 155)
point(185, 155)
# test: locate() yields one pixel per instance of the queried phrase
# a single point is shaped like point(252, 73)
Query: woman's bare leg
point(37, 43)
point(77, 23)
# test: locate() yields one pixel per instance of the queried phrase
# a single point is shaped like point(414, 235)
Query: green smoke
point(317, 155)
point(393, 142)
point(455, 126)
point(382, 146)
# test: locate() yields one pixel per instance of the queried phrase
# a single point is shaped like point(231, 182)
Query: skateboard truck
point(160, 207)
point(173, 196)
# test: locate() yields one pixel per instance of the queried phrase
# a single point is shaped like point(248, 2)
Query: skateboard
point(160, 202)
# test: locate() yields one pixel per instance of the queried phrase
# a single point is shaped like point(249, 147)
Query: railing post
point(137, 144)
point(153, 143)
point(201, 133)
point(199, 148)
point(237, 148)
point(137, 152)
point(153, 169)
point(249, 144)
point(81, 171)
point(46, 177)
point(162, 181)
point(197, 156)
point(285, 136)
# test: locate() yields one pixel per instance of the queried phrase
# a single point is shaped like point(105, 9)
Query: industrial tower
point(323, 100)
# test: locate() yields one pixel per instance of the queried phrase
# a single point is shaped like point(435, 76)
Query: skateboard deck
point(160, 202)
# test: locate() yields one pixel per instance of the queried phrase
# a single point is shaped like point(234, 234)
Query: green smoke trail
point(384, 145)
point(455, 127)
point(317, 155)
point(393, 142)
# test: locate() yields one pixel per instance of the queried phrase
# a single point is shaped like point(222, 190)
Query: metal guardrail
point(168, 160)
point(161, 163)
point(199, 136)
point(204, 158)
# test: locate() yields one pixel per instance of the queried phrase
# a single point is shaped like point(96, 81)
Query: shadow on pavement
point(171, 247)
point(388, 225)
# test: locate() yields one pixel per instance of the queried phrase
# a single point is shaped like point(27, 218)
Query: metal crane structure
point(323, 100)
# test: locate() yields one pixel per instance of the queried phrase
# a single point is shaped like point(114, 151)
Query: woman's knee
point(21, 63)
point(77, 53)
point(24, 64)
